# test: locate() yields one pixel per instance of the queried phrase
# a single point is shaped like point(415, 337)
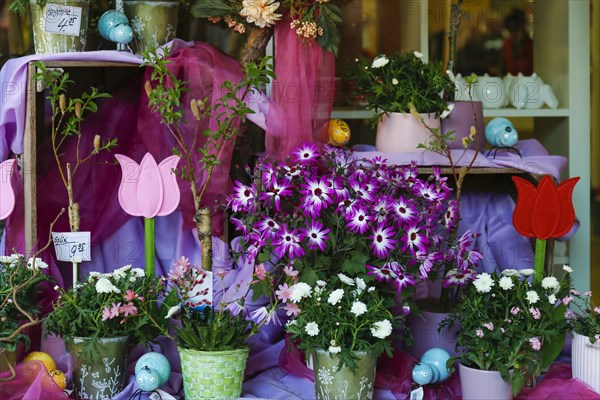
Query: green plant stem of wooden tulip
point(165, 92)
point(149, 245)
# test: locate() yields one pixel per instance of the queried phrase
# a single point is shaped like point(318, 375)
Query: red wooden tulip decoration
point(543, 212)
point(7, 194)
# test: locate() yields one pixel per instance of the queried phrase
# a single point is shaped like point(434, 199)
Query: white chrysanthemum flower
point(335, 296)
point(358, 308)
point(552, 299)
point(36, 264)
point(567, 269)
point(95, 274)
point(321, 283)
point(510, 272)
point(140, 273)
point(319, 290)
point(380, 61)
point(260, 12)
point(550, 283)
point(370, 289)
point(299, 291)
point(347, 280)
point(381, 329)
point(532, 297)
point(506, 283)
point(527, 272)
point(418, 54)
point(335, 349)
point(12, 259)
point(132, 279)
point(172, 311)
point(360, 284)
point(483, 283)
point(312, 329)
point(395, 81)
point(105, 286)
point(291, 322)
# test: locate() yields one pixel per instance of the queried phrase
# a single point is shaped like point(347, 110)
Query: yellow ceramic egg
point(45, 358)
point(339, 133)
point(59, 378)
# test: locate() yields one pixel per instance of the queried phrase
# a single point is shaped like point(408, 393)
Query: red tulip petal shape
point(148, 189)
point(545, 211)
point(7, 193)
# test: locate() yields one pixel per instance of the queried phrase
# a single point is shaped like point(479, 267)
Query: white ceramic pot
point(585, 361)
point(477, 384)
point(492, 92)
point(401, 132)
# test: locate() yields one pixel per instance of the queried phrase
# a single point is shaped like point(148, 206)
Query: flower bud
point(78, 110)
point(97, 143)
point(194, 107)
point(148, 88)
point(62, 103)
point(472, 133)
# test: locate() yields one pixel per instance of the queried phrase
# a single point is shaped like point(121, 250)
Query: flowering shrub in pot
point(510, 324)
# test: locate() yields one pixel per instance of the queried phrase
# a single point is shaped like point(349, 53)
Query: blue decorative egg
point(111, 20)
point(152, 371)
point(432, 367)
point(500, 132)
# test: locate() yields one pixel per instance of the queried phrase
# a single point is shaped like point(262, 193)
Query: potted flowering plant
point(212, 337)
point(345, 324)
point(585, 325)
point(511, 329)
point(99, 317)
point(390, 85)
point(21, 281)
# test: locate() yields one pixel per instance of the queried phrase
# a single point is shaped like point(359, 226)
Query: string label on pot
point(64, 20)
point(416, 393)
point(72, 246)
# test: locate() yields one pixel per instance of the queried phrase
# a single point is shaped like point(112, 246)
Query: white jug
point(492, 92)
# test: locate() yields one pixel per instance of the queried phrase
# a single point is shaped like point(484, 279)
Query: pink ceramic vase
point(401, 132)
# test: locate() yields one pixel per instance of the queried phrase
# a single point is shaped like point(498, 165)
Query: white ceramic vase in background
point(585, 361)
point(492, 92)
point(401, 132)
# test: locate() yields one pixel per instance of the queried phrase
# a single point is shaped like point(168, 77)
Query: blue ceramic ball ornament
point(114, 26)
point(500, 132)
point(432, 367)
point(152, 371)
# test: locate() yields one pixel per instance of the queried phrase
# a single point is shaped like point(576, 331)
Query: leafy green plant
point(392, 84)
point(20, 6)
point(508, 321)
point(165, 92)
point(586, 319)
point(67, 116)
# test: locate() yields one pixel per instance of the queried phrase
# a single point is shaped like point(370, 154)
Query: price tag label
point(72, 246)
point(64, 20)
point(417, 394)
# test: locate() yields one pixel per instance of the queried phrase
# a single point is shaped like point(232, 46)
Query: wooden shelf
point(354, 113)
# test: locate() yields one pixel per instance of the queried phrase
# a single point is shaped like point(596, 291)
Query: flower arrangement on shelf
point(342, 316)
point(326, 212)
point(392, 84)
point(311, 20)
point(124, 302)
point(586, 321)
point(508, 321)
point(21, 281)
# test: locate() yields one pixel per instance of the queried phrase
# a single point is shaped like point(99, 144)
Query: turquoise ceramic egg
point(110, 20)
point(152, 371)
point(500, 132)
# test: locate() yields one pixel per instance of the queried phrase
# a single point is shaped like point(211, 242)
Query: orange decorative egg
point(339, 133)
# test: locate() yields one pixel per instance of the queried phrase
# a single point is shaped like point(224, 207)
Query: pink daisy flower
point(382, 241)
point(284, 293)
point(128, 309)
point(292, 309)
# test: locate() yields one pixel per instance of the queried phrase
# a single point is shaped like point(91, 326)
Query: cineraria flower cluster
point(124, 302)
point(342, 315)
point(510, 321)
point(326, 212)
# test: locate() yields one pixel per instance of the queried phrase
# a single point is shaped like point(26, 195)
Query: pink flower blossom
point(574, 292)
point(535, 313)
point(106, 314)
point(515, 310)
point(289, 271)
point(569, 314)
point(597, 310)
point(130, 295)
point(489, 326)
point(128, 309)
point(260, 272)
point(535, 344)
point(587, 294)
point(222, 274)
point(567, 300)
point(284, 293)
point(292, 309)
point(114, 310)
point(479, 333)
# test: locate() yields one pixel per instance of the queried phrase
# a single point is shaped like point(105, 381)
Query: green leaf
point(355, 264)
point(261, 288)
point(211, 8)
point(551, 348)
point(517, 383)
point(331, 39)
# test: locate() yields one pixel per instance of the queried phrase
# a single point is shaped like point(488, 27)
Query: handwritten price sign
point(72, 246)
point(64, 20)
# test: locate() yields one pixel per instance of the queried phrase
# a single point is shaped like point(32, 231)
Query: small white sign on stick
point(61, 19)
point(72, 246)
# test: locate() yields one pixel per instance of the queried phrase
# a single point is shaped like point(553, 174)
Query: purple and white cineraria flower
point(325, 211)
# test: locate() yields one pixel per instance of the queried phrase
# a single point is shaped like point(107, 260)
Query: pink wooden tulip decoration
point(7, 194)
point(148, 190)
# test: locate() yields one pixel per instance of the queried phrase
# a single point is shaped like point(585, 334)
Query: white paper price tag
point(417, 394)
point(72, 246)
point(64, 20)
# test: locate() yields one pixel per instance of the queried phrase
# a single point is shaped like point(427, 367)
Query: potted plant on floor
point(68, 34)
point(585, 350)
point(99, 318)
point(389, 85)
point(511, 329)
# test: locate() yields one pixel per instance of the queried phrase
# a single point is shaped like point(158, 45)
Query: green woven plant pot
point(213, 374)
point(344, 384)
point(53, 42)
point(154, 23)
point(102, 377)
